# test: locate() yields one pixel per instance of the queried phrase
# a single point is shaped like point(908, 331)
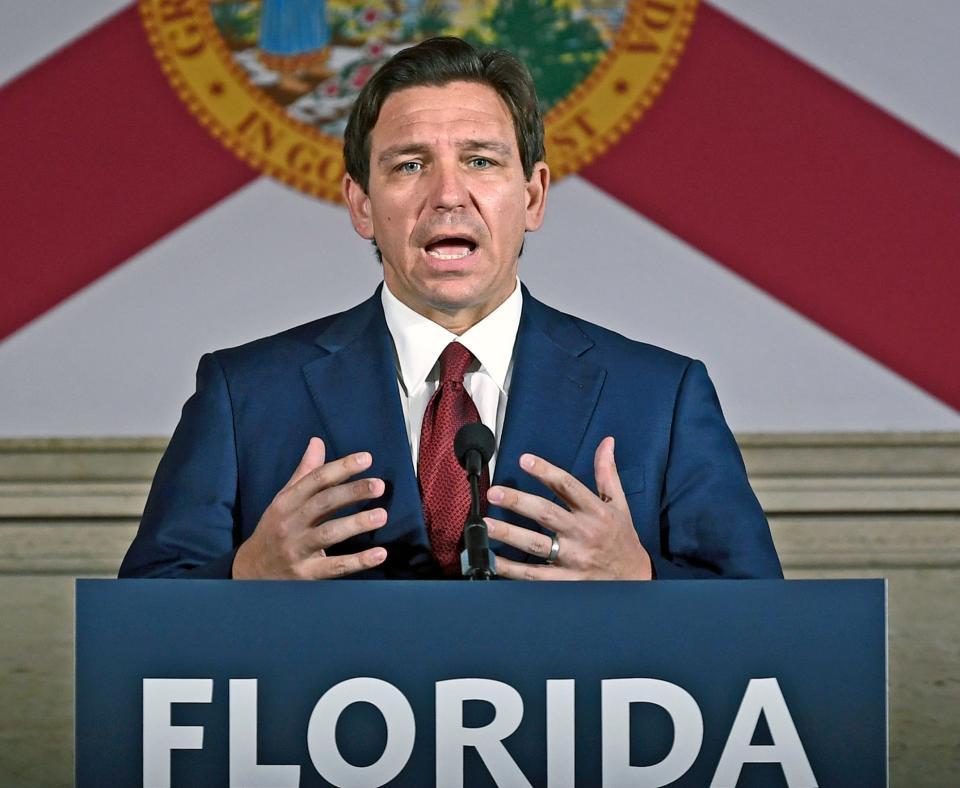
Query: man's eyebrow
point(495, 146)
point(405, 149)
point(419, 149)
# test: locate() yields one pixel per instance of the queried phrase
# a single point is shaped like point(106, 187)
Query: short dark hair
point(437, 62)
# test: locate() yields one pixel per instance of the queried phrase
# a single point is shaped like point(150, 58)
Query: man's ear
point(537, 188)
point(359, 206)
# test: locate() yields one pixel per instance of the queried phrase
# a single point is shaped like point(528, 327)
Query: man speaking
point(327, 450)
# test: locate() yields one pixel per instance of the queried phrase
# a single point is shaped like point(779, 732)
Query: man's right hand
point(291, 539)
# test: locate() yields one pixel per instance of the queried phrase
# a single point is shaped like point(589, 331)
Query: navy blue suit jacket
point(244, 430)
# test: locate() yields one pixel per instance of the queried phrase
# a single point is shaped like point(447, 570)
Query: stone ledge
point(68, 547)
point(844, 453)
point(792, 474)
point(99, 500)
point(79, 459)
point(863, 500)
point(766, 454)
point(879, 542)
point(96, 547)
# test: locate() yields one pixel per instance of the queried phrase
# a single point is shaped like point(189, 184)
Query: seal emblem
point(274, 80)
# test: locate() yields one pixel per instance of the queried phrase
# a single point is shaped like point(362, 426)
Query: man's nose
point(449, 189)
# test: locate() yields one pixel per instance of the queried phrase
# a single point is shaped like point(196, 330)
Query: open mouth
point(451, 248)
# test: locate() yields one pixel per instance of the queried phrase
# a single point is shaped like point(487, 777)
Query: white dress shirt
point(418, 343)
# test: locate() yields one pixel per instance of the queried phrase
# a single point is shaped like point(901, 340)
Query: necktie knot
point(454, 362)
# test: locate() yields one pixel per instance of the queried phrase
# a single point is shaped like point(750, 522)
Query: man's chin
point(452, 304)
point(452, 301)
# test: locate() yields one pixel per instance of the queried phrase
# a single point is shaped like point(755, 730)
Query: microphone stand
point(477, 561)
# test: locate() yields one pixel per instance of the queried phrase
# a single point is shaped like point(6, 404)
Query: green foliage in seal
point(433, 20)
point(559, 50)
point(238, 23)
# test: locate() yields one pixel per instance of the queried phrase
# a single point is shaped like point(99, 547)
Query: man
point(614, 460)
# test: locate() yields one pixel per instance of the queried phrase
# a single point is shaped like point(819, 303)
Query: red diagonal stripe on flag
point(818, 197)
point(770, 168)
point(99, 160)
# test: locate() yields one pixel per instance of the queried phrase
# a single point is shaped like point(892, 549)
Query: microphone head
point(474, 437)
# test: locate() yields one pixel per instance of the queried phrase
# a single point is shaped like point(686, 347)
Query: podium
point(368, 683)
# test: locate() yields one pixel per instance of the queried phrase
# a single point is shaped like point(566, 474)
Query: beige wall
point(866, 505)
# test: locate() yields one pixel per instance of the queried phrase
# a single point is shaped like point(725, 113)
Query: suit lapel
point(553, 395)
point(354, 387)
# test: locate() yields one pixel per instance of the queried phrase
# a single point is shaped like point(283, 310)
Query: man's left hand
point(595, 533)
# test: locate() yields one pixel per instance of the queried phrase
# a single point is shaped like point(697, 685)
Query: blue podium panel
point(217, 683)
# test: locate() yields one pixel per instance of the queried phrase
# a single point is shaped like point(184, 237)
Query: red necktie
point(444, 488)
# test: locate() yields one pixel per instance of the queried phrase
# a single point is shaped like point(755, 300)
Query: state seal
point(274, 80)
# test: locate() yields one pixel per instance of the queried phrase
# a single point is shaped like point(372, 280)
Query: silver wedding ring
point(554, 550)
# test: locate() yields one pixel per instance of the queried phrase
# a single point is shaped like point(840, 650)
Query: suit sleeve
point(711, 524)
point(189, 526)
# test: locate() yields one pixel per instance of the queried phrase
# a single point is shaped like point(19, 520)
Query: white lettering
point(616, 695)
point(561, 733)
point(245, 772)
point(453, 737)
point(764, 696)
point(322, 733)
point(160, 738)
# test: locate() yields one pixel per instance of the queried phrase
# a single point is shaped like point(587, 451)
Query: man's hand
point(294, 532)
point(596, 534)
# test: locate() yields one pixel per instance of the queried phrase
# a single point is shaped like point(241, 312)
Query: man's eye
point(410, 166)
point(480, 163)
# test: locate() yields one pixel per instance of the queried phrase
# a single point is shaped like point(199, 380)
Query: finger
point(524, 539)
point(566, 486)
point(325, 502)
point(338, 530)
point(322, 567)
point(546, 513)
point(312, 458)
point(518, 570)
point(605, 473)
point(328, 475)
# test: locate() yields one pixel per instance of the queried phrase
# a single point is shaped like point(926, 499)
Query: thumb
point(605, 473)
point(312, 458)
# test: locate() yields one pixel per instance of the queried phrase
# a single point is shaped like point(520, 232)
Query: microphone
point(474, 445)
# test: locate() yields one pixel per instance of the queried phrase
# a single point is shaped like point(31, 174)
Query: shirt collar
point(419, 341)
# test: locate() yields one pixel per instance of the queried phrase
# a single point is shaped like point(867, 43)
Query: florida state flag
point(772, 189)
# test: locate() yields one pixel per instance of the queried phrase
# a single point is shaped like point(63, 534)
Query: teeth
point(439, 256)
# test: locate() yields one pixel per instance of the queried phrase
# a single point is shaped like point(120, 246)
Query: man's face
point(447, 202)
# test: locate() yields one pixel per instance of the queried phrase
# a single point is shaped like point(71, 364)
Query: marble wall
point(862, 505)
